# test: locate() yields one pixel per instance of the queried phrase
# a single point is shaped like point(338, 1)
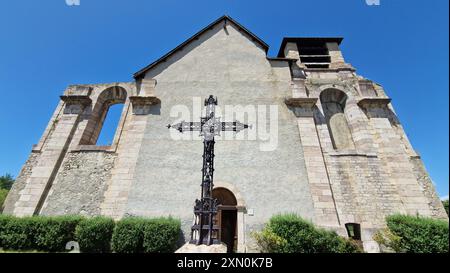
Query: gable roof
point(225, 18)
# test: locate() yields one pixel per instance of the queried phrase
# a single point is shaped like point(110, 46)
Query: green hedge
point(414, 234)
point(94, 234)
point(14, 234)
point(161, 235)
point(128, 235)
point(98, 234)
point(38, 233)
point(3, 194)
point(289, 233)
point(136, 235)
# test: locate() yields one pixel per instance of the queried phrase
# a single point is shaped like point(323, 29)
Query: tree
point(445, 203)
point(3, 194)
point(6, 181)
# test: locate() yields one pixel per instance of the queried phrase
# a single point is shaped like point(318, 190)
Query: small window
point(353, 231)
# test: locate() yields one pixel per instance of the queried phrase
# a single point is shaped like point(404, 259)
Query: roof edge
point(141, 72)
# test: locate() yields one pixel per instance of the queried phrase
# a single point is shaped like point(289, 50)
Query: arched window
point(104, 121)
point(333, 104)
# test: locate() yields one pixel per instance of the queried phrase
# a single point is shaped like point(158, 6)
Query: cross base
point(193, 248)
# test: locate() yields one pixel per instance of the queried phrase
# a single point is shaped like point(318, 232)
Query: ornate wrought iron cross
point(204, 231)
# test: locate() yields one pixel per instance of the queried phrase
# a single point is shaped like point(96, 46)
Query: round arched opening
point(333, 104)
point(226, 217)
point(104, 120)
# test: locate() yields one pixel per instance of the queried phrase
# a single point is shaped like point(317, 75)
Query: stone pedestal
point(192, 248)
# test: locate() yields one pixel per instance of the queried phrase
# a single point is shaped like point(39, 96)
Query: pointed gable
point(224, 19)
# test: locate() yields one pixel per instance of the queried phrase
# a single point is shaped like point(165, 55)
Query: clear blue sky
point(47, 45)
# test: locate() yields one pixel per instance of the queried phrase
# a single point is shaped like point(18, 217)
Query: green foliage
point(39, 232)
point(53, 233)
point(97, 234)
point(94, 234)
point(4, 220)
point(3, 194)
point(388, 241)
point(161, 235)
point(128, 235)
point(135, 235)
point(15, 234)
point(414, 234)
point(288, 233)
point(445, 203)
point(6, 181)
point(269, 242)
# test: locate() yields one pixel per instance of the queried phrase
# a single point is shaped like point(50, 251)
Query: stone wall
point(19, 184)
point(424, 180)
point(80, 184)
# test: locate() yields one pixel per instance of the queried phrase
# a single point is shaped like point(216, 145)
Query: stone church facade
point(341, 157)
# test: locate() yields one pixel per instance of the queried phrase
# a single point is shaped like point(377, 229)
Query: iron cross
point(204, 231)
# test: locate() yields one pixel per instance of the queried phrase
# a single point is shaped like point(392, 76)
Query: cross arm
point(235, 126)
point(186, 126)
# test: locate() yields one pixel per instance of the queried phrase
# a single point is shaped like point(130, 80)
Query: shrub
point(128, 235)
point(388, 241)
point(4, 220)
point(291, 234)
point(94, 234)
point(39, 233)
point(269, 242)
point(414, 234)
point(53, 233)
point(161, 235)
point(16, 233)
point(133, 235)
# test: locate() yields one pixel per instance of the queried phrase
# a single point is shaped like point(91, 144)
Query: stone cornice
point(373, 102)
point(76, 99)
point(301, 102)
point(144, 100)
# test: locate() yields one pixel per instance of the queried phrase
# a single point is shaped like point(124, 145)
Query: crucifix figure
point(204, 231)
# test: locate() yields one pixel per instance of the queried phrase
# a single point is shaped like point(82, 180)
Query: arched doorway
point(226, 217)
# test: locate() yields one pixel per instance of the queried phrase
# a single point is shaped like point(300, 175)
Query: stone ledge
point(142, 104)
point(373, 102)
point(332, 69)
point(76, 99)
point(351, 153)
point(36, 148)
point(144, 100)
point(301, 102)
point(94, 148)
